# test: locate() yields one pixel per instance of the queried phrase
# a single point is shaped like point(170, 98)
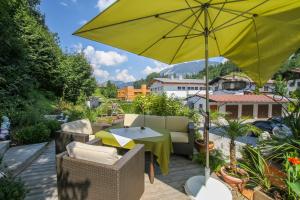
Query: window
point(183, 88)
point(234, 85)
point(179, 88)
point(188, 88)
point(196, 88)
point(266, 88)
point(298, 84)
point(192, 88)
point(292, 84)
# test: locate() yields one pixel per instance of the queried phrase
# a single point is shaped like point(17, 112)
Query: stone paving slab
point(18, 158)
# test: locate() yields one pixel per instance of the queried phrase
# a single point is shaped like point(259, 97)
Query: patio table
point(160, 146)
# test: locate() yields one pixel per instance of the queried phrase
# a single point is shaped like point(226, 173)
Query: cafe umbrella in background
point(256, 35)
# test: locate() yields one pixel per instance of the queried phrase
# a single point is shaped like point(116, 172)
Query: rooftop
point(178, 80)
point(231, 98)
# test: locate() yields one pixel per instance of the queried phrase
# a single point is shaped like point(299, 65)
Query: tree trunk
point(232, 156)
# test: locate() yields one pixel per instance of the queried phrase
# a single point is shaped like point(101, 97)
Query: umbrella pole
point(206, 125)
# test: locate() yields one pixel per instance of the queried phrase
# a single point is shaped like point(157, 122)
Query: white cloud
point(124, 76)
point(63, 4)
point(78, 48)
point(107, 58)
point(82, 22)
point(74, 1)
point(102, 4)
point(158, 66)
point(99, 73)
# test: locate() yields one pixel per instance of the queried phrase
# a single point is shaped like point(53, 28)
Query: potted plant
point(257, 168)
point(232, 174)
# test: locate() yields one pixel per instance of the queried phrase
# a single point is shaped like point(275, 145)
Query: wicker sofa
point(80, 179)
point(181, 129)
point(80, 130)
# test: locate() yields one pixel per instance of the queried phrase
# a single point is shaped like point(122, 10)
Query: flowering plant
point(292, 169)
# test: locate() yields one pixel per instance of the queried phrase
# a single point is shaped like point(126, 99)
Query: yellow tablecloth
point(160, 146)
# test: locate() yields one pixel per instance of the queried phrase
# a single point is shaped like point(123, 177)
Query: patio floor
point(40, 179)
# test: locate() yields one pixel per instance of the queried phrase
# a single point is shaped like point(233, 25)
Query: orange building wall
point(129, 93)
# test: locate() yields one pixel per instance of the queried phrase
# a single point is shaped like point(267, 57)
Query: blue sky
point(66, 16)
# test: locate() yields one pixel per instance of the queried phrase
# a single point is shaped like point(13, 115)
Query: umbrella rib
point(135, 19)
point(187, 36)
point(233, 1)
point(258, 50)
point(195, 14)
point(241, 14)
point(177, 23)
point(215, 37)
point(229, 25)
point(167, 34)
point(181, 44)
point(231, 11)
point(212, 23)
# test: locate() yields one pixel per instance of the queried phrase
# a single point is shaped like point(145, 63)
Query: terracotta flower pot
point(201, 147)
point(234, 181)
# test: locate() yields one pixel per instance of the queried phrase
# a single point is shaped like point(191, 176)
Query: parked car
point(273, 126)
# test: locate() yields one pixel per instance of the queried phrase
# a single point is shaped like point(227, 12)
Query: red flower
point(294, 161)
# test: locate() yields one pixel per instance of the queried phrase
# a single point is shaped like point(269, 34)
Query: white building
point(237, 84)
point(238, 106)
point(178, 88)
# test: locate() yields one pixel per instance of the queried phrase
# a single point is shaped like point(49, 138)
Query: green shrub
point(216, 159)
point(32, 134)
point(160, 105)
point(11, 188)
point(53, 126)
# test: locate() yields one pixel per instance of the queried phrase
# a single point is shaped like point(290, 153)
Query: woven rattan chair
point(62, 138)
point(83, 180)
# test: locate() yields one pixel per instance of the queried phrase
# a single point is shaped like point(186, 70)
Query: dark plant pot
point(234, 181)
point(260, 195)
point(201, 146)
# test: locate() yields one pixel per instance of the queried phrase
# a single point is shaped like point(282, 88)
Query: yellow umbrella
point(257, 35)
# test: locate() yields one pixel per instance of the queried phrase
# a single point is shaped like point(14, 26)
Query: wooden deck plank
point(40, 178)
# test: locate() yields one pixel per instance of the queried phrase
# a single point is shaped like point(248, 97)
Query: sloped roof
point(187, 81)
point(231, 98)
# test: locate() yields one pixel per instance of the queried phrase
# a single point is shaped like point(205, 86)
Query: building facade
point(239, 106)
point(237, 84)
point(129, 93)
point(178, 87)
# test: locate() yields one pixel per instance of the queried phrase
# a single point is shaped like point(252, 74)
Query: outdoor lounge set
point(90, 164)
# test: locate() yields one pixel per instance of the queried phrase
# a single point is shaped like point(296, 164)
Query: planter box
point(259, 195)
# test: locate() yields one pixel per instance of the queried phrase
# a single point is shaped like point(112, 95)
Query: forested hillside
point(34, 71)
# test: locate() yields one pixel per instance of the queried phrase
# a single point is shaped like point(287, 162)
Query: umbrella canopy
point(256, 35)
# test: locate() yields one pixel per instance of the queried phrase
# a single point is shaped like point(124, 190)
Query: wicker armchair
point(84, 180)
point(62, 138)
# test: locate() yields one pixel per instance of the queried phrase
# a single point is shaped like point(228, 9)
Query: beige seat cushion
point(79, 126)
point(153, 121)
point(177, 123)
point(133, 120)
point(91, 137)
point(98, 154)
point(179, 137)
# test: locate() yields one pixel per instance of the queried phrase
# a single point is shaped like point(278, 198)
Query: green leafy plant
point(276, 148)
point(256, 166)
point(216, 159)
point(234, 128)
point(292, 169)
point(53, 126)
point(11, 188)
point(32, 134)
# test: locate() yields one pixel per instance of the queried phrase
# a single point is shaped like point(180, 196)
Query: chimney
point(172, 76)
point(180, 77)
